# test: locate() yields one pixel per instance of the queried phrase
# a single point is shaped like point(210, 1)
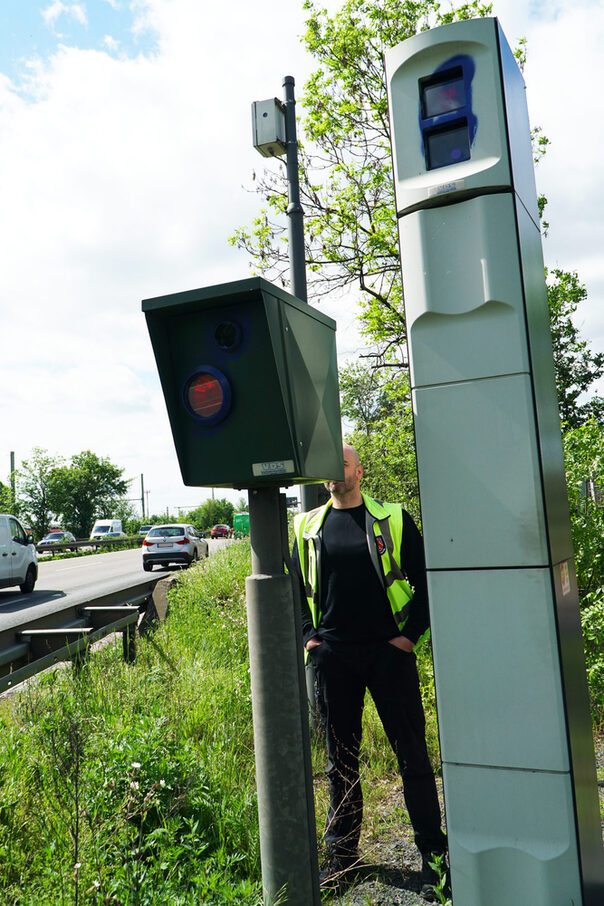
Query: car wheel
point(30, 580)
point(147, 567)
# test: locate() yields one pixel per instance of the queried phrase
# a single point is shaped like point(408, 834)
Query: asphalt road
point(79, 579)
point(98, 573)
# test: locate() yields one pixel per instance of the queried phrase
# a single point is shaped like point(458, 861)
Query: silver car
point(173, 543)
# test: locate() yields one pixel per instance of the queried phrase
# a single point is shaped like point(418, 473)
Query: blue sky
point(30, 29)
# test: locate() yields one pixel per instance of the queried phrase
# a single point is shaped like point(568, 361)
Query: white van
point(18, 557)
point(104, 527)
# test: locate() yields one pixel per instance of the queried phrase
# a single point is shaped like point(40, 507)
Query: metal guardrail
point(31, 644)
point(61, 546)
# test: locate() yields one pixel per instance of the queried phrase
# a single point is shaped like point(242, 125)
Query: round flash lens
point(205, 396)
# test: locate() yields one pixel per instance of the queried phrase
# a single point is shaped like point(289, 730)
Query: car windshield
point(54, 536)
point(101, 529)
point(168, 531)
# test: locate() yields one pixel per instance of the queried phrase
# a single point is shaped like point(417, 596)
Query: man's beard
point(339, 487)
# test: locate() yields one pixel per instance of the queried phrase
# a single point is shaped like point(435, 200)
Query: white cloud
point(111, 44)
point(56, 9)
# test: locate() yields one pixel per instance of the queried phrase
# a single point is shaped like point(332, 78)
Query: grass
point(134, 784)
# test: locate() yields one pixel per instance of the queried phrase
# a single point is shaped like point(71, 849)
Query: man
point(358, 562)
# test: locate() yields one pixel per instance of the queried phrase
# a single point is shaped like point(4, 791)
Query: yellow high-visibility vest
point(384, 529)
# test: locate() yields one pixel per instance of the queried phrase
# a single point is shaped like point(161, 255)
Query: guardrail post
point(129, 643)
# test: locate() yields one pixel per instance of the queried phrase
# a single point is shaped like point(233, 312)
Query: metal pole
point(295, 213)
point(143, 495)
point(309, 494)
point(286, 815)
point(13, 488)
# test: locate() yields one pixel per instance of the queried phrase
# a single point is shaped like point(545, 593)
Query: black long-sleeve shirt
point(354, 605)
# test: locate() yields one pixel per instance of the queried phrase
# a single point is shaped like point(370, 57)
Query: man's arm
point(413, 564)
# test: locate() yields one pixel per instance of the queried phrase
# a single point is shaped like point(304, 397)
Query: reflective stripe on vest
point(387, 522)
point(304, 524)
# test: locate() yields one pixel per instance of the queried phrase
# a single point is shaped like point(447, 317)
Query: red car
point(220, 531)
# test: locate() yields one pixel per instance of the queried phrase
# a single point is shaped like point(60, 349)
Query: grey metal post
point(295, 212)
point(143, 495)
point(281, 737)
point(129, 643)
point(13, 488)
point(295, 220)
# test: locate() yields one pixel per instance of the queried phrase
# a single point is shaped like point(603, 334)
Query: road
point(61, 578)
point(78, 579)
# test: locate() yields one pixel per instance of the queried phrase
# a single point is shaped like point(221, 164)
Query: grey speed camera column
point(519, 773)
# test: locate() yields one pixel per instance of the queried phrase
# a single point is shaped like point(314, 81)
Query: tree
point(123, 509)
point(379, 405)
point(577, 367)
point(584, 460)
point(35, 490)
point(212, 512)
point(7, 504)
point(89, 488)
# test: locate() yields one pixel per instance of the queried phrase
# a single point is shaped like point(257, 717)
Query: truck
point(104, 527)
point(241, 524)
point(18, 557)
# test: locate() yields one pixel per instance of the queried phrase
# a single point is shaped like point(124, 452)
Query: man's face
point(352, 476)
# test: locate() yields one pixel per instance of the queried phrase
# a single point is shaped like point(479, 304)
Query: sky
point(126, 161)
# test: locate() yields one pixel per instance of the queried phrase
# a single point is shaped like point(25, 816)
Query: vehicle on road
point(57, 538)
point(103, 527)
point(18, 557)
point(173, 543)
point(145, 528)
point(220, 531)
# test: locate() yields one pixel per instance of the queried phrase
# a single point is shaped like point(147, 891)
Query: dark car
point(57, 538)
point(220, 531)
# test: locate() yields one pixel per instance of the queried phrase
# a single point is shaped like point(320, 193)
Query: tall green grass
point(134, 784)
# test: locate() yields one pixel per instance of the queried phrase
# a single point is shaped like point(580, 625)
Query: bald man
point(365, 607)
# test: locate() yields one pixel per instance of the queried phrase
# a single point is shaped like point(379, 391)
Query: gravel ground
point(391, 876)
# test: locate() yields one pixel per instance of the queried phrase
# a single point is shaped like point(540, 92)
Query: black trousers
point(344, 672)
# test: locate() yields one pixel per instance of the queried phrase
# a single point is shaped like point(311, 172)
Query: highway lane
point(77, 580)
point(83, 578)
point(97, 573)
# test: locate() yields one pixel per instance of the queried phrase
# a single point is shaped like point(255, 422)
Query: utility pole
point(13, 487)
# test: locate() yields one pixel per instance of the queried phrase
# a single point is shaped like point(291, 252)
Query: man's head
point(347, 493)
